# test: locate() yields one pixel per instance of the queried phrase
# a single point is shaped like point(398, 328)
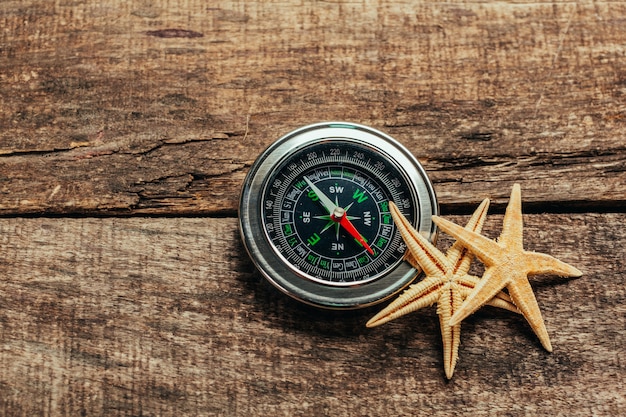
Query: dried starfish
point(507, 265)
point(447, 283)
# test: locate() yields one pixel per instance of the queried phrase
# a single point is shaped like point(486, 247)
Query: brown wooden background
point(126, 129)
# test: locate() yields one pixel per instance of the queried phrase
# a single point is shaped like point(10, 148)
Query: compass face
point(315, 218)
point(304, 232)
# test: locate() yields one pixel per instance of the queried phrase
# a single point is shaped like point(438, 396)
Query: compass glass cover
point(305, 234)
point(314, 214)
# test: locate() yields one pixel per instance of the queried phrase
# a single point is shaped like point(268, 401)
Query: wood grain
point(114, 110)
point(160, 108)
point(167, 317)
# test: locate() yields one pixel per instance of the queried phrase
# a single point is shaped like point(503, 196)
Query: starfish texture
point(447, 283)
point(508, 265)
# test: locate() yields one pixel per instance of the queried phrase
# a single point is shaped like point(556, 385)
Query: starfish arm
point(512, 227)
point(484, 248)
point(429, 258)
point(501, 300)
point(540, 263)
point(449, 301)
point(420, 295)
point(458, 255)
point(493, 281)
point(522, 295)
point(411, 259)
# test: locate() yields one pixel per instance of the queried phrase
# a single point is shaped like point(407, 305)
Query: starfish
point(508, 265)
point(447, 283)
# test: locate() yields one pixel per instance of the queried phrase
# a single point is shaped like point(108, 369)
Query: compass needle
point(341, 176)
point(327, 202)
point(347, 224)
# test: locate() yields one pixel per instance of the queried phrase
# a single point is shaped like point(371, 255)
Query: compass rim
point(276, 269)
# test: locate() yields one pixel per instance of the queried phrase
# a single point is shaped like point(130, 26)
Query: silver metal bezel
point(274, 268)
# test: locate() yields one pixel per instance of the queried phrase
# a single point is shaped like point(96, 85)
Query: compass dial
point(310, 237)
point(315, 214)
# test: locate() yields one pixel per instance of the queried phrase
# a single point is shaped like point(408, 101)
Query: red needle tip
point(346, 224)
point(339, 215)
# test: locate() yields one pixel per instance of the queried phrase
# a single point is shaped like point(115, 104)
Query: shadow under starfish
point(508, 265)
point(446, 283)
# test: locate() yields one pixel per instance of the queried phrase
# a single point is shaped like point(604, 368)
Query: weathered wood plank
point(144, 316)
point(160, 108)
point(116, 107)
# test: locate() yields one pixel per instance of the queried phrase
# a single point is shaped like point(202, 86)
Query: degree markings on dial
point(386, 187)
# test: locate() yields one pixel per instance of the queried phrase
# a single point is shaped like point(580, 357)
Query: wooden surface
point(126, 129)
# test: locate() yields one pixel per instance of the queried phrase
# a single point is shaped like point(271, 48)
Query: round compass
point(314, 214)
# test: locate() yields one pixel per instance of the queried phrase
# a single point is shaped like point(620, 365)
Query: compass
point(314, 214)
